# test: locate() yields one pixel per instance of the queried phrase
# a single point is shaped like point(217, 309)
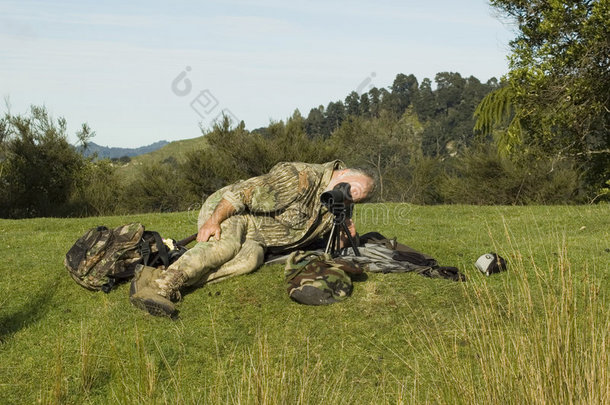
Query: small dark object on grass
point(490, 263)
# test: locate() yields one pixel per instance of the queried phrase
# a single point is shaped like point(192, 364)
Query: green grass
point(538, 333)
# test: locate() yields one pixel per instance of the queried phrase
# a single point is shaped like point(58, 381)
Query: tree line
point(417, 141)
point(540, 135)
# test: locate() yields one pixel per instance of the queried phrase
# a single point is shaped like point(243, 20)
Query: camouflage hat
point(318, 279)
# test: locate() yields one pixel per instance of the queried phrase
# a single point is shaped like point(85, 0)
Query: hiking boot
point(169, 283)
point(153, 290)
point(149, 300)
point(143, 277)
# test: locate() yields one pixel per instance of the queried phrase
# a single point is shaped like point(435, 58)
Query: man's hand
point(208, 229)
point(211, 227)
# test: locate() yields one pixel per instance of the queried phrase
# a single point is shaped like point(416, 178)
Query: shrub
point(234, 153)
point(483, 176)
point(38, 167)
point(99, 190)
point(157, 188)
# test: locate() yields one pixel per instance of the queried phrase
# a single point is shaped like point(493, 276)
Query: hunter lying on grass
point(276, 212)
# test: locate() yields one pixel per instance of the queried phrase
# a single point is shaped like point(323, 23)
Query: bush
point(99, 190)
point(235, 153)
point(157, 188)
point(482, 176)
point(415, 181)
point(38, 167)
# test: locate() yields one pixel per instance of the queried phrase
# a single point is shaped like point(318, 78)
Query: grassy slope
point(176, 149)
point(244, 340)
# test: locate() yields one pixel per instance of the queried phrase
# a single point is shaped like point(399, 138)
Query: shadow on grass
point(29, 313)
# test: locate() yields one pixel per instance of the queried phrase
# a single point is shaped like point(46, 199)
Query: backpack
point(103, 257)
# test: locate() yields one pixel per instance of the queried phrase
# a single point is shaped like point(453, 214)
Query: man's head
point(362, 184)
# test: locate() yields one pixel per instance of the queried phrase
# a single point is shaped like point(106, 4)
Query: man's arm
point(211, 227)
point(268, 192)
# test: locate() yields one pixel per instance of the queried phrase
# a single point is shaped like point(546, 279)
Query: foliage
point(99, 190)
point(382, 143)
point(157, 187)
point(483, 176)
point(495, 114)
point(446, 112)
point(38, 167)
point(604, 192)
point(233, 153)
point(416, 181)
point(558, 84)
point(418, 139)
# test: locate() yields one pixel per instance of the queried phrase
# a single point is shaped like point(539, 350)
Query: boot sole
point(154, 307)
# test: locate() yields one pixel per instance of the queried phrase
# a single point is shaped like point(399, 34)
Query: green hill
point(174, 150)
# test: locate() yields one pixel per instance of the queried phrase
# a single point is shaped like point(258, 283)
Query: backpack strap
point(146, 251)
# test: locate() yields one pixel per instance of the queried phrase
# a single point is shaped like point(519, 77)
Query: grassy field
point(539, 333)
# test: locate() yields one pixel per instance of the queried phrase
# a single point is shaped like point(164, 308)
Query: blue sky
point(142, 71)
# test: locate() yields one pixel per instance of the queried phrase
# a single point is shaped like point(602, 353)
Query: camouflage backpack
point(318, 279)
point(103, 257)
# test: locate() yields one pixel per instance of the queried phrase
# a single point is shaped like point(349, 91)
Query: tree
point(233, 153)
point(386, 102)
point(404, 91)
point(365, 105)
point(375, 98)
point(315, 122)
point(449, 88)
point(425, 104)
point(449, 112)
point(335, 114)
point(556, 96)
point(382, 144)
point(39, 168)
point(352, 104)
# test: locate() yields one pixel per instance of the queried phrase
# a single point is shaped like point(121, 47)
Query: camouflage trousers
point(235, 253)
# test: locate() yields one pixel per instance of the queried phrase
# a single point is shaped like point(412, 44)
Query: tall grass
point(541, 340)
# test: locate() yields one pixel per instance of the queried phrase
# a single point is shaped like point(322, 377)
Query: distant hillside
point(174, 151)
point(111, 152)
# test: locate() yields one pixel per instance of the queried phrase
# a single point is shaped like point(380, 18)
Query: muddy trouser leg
point(205, 257)
point(216, 260)
point(249, 258)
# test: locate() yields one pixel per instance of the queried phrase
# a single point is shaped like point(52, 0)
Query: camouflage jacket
point(283, 206)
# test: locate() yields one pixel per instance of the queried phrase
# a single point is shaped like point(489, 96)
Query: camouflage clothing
point(283, 206)
point(278, 211)
point(318, 279)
